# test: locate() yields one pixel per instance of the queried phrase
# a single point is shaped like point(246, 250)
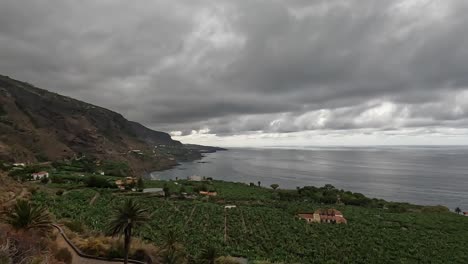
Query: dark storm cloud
point(235, 67)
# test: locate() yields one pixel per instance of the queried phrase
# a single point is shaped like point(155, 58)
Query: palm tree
point(127, 217)
point(27, 216)
point(458, 210)
point(173, 252)
point(208, 255)
point(274, 186)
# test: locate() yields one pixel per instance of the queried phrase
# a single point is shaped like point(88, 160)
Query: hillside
point(38, 125)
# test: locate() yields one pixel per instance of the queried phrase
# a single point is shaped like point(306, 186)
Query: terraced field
point(271, 231)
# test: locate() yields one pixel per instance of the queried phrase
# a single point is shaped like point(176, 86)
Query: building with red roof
point(324, 216)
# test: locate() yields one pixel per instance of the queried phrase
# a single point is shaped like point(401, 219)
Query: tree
point(458, 210)
point(166, 191)
point(208, 255)
point(172, 251)
point(45, 180)
point(259, 183)
point(140, 183)
point(274, 186)
point(96, 181)
point(127, 217)
point(26, 216)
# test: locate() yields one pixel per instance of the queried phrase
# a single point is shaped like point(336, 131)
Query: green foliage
point(173, 252)
point(208, 255)
point(2, 111)
point(98, 182)
point(75, 226)
point(25, 216)
point(328, 194)
point(128, 216)
point(4, 166)
point(274, 186)
point(266, 227)
point(116, 168)
point(84, 165)
point(25, 173)
point(166, 191)
point(66, 178)
point(45, 180)
point(140, 183)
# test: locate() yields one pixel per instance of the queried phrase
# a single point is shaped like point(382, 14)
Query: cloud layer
point(255, 68)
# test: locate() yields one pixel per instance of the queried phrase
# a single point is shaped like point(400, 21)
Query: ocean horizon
point(418, 174)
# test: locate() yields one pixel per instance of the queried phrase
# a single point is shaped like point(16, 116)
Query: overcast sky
point(254, 73)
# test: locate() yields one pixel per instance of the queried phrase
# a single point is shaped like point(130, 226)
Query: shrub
point(98, 182)
point(115, 253)
point(435, 209)
point(33, 190)
point(116, 168)
point(57, 179)
point(94, 246)
point(2, 111)
point(75, 226)
point(64, 255)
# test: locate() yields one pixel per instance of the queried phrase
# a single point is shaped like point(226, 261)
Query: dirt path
point(93, 200)
point(225, 225)
point(243, 221)
point(79, 257)
point(191, 214)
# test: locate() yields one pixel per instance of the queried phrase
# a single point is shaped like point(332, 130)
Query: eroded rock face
point(35, 122)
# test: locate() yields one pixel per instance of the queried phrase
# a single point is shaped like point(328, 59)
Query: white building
point(40, 175)
point(195, 178)
point(159, 191)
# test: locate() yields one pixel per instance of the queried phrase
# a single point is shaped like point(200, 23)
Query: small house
point(229, 206)
point(465, 213)
point(309, 217)
point(324, 216)
point(19, 165)
point(40, 175)
point(195, 178)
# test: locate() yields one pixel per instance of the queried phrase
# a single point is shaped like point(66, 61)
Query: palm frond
point(25, 215)
point(130, 214)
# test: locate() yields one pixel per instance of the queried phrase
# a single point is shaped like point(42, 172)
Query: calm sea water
point(420, 175)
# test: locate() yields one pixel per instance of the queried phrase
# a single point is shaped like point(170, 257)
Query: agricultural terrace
point(263, 226)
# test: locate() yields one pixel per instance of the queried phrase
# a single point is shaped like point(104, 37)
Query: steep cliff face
point(36, 124)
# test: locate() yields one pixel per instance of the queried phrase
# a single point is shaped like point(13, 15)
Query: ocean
point(425, 175)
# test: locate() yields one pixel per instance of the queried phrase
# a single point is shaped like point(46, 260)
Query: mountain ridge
point(36, 124)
